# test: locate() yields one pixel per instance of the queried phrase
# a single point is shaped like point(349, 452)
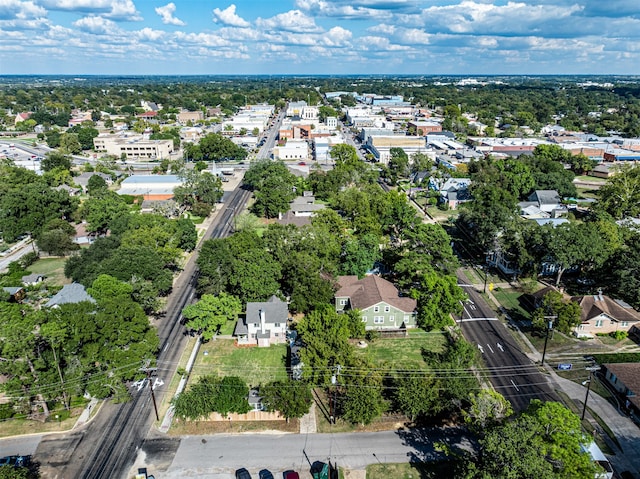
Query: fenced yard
point(254, 365)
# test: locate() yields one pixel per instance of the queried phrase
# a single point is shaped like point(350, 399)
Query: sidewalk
point(627, 457)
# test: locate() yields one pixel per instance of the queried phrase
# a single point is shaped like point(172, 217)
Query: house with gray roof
point(70, 293)
point(264, 324)
point(379, 302)
point(82, 180)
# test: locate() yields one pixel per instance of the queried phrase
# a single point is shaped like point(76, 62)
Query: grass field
point(409, 471)
point(254, 365)
point(509, 299)
point(404, 353)
point(52, 268)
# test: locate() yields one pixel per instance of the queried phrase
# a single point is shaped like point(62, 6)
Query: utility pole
point(332, 405)
point(148, 371)
point(546, 338)
point(591, 370)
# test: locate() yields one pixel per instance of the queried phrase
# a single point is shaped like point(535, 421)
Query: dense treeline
point(511, 101)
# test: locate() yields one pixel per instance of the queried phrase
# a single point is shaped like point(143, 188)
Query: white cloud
point(94, 24)
point(18, 9)
point(356, 8)
point(228, 17)
point(167, 12)
point(291, 21)
point(206, 39)
point(120, 10)
point(150, 34)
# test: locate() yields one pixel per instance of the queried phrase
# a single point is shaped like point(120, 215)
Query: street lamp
point(588, 384)
point(546, 338)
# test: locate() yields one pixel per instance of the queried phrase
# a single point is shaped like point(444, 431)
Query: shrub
point(619, 335)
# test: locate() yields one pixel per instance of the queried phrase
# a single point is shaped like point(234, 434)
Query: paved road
point(107, 446)
point(220, 455)
point(511, 372)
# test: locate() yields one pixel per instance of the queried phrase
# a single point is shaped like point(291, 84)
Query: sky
point(423, 37)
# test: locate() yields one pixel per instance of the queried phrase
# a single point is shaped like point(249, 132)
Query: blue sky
point(148, 37)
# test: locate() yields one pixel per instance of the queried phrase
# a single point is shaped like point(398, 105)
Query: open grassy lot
point(254, 365)
point(404, 353)
point(409, 470)
point(52, 268)
point(510, 300)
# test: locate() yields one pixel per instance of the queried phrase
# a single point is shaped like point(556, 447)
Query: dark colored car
point(290, 475)
point(242, 474)
point(265, 474)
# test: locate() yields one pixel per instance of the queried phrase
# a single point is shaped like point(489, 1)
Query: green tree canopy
point(208, 314)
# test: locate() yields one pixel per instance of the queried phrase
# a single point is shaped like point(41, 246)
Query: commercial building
point(133, 148)
point(151, 187)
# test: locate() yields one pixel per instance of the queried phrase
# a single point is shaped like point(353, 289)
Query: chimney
point(262, 320)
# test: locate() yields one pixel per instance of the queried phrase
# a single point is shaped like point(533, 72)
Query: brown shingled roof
point(629, 375)
point(594, 305)
point(372, 290)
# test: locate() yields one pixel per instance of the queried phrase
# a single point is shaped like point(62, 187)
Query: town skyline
point(315, 37)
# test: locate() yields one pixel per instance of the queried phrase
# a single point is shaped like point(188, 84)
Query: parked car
point(290, 475)
point(265, 474)
point(242, 474)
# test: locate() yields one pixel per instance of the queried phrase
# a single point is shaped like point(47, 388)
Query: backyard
point(254, 365)
point(404, 353)
point(52, 268)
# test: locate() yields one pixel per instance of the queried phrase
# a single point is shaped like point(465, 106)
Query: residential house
point(546, 200)
point(379, 302)
point(625, 378)
point(602, 314)
point(70, 294)
point(82, 180)
point(20, 117)
point(255, 400)
point(264, 323)
point(69, 189)
point(32, 279)
point(455, 191)
point(16, 293)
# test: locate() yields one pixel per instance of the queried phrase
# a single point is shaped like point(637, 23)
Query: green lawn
point(409, 470)
point(254, 365)
point(52, 268)
point(509, 299)
point(404, 353)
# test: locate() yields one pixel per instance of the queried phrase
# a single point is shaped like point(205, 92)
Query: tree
point(543, 442)
point(70, 144)
point(620, 195)
point(363, 401)
point(210, 313)
point(291, 398)
point(576, 244)
point(212, 394)
point(55, 159)
point(198, 187)
point(417, 395)
point(56, 242)
point(398, 164)
point(273, 187)
point(27, 208)
point(438, 297)
point(567, 313)
point(360, 254)
point(326, 337)
point(96, 184)
point(101, 210)
point(488, 408)
point(216, 147)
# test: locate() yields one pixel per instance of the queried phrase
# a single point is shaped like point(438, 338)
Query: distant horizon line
point(323, 75)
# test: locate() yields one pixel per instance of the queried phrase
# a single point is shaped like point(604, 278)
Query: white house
point(264, 324)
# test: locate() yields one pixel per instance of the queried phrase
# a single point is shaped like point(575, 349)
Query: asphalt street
point(510, 371)
point(220, 455)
